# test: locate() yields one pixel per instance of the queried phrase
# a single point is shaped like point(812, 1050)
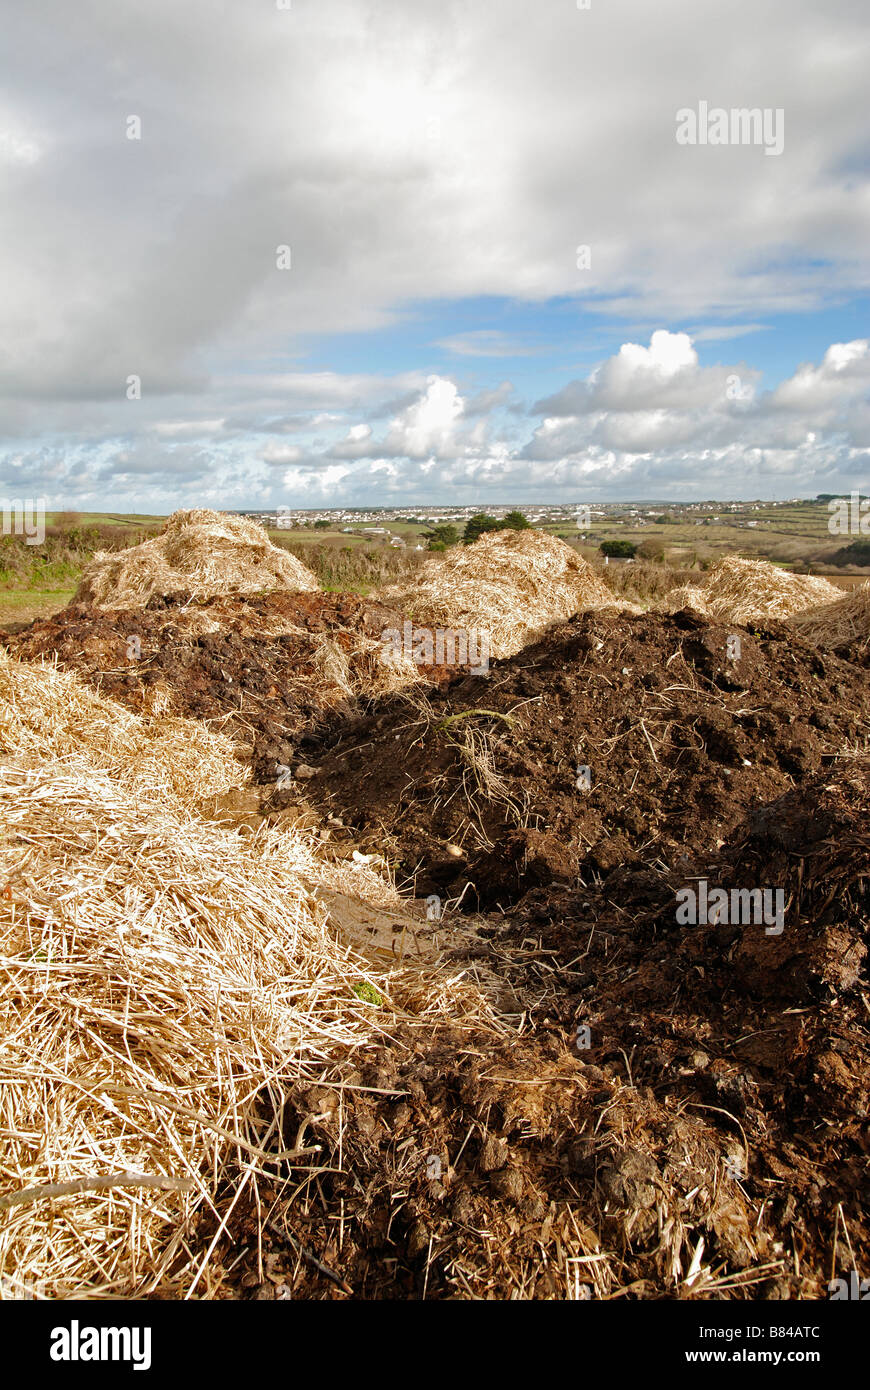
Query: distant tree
point(437, 546)
point(322, 525)
point(515, 521)
point(442, 537)
point(477, 525)
point(618, 550)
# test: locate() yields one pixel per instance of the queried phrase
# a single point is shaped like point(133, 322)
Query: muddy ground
point(479, 790)
point(659, 1109)
point(265, 670)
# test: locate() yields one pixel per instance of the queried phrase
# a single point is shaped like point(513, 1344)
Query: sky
point(350, 253)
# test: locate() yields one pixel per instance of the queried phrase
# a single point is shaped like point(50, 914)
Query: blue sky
point(337, 265)
point(560, 337)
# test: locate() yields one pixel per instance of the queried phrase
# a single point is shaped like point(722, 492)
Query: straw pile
point(164, 983)
point(845, 623)
point(512, 585)
point(748, 591)
point(47, 714)
point(199, 552)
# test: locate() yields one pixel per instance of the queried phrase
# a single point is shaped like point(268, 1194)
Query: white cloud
point(429, 425)
point(844, 370)
point(666, 373)
point(175, 429)
point(275, 454)
point(723, 332)
point(486, 342)
point(412, 155)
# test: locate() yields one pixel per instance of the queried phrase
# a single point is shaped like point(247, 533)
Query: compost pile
point(747, 591)
point(164, 983)
point(842, 626)
point(476, 791)
point(199, 551)
point(510, 585)
point(557, 1087)
point(685, 1109)
point(262, 669)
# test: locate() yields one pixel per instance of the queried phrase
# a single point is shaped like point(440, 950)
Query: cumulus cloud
point(814, 422)
point(428, 427)
point(666, 373)
point(672, 432)
point(278, 454)
point(485, 402)
point(843, 371)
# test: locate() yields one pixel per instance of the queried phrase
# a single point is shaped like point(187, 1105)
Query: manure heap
point(166, 985)
point(510, 585)
point(749, 591)
point(843, 625)
point(199, 553)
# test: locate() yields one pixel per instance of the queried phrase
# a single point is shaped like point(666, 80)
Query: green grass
point(105, 519)
point(368, 994)
point(24, 605)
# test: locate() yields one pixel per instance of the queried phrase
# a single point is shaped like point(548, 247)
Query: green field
point(794, 535)
point(23, 605)
point(105, 519)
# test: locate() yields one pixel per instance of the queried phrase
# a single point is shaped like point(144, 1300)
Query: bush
point(480, 523)
point(354, 569)
point(59, 561)
point(642, 582)
point(618, 550)
point(652, 550)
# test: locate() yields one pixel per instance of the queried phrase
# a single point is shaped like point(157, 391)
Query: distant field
point(24, 605)
point(795, 535)
point(303, 535)
point(335, 538)
point(105, 519)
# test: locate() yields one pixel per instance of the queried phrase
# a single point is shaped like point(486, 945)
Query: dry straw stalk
point(843, 623)
point(199, 552)
point(747, 591)
point(164, 983)
point(511, 585)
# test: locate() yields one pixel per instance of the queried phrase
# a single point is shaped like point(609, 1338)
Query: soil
point(245, 666)
point(476, 791)
point(659, 1109)
point(718, 1102)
